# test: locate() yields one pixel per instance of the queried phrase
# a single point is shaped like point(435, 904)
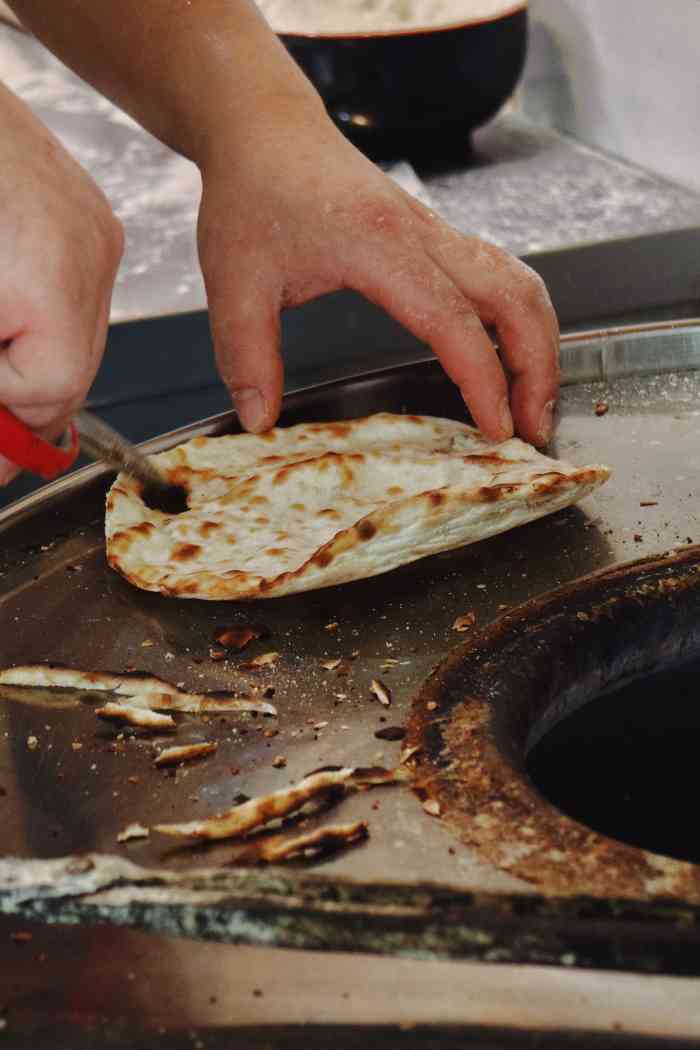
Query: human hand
point(290, 211)
point(60, 246)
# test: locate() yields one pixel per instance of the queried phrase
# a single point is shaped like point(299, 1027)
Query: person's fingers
point(246, 331)
point(508, 294)
point(8, 471)
point(44, 378)
point(426, 301)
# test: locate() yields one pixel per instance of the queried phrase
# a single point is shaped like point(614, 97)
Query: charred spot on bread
point(169, 499)
point(207, 527)
point(323, 558)
point(143, 527)
point(185, 551)
point(366, 529)
point(487, 459)
point(495, 493)
point(338, 430)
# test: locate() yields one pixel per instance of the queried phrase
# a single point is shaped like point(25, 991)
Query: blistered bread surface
point(318, 504)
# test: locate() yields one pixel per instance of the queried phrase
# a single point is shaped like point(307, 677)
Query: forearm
point(190, 71)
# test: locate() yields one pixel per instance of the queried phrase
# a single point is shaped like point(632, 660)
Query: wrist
point(271, 114)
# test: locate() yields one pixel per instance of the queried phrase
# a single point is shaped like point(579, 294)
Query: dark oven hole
point(626, 763)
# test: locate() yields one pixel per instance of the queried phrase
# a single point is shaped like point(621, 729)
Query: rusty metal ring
point(476, 717)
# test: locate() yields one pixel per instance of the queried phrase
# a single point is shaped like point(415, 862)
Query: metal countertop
point(649, 435)
point(528, 189)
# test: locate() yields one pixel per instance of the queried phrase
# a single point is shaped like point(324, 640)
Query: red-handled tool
point(99, 440)
point(22, 446)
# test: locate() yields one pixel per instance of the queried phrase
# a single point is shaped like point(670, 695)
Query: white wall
point(623, 75)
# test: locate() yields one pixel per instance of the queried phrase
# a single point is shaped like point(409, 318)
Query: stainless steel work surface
point(62, 603)
point(631, 399)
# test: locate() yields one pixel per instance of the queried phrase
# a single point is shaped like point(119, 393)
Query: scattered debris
point(331, 665)
point(310, 844)
point(32, 743)
point(408, 753)
point(601, 408)
point(141, 690)
point(239, 637)
point(279, 761)
point(432, 807)
point(390, 733)
point(381, 692)
point(133, 831)
point(464, 623)
point(140, 717)
point(21, 936)
point(264, 660)
point(170, 756)
point(257, 812)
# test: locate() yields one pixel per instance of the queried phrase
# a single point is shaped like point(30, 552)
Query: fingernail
point(506, 420)
point(250, 406)
point(544, 431)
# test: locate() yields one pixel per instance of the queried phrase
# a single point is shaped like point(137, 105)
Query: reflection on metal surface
point(631, 351)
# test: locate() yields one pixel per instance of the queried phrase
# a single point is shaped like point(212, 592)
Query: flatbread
point(320, 504)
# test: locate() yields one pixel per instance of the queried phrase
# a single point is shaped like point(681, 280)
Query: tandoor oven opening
point(625, 763)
